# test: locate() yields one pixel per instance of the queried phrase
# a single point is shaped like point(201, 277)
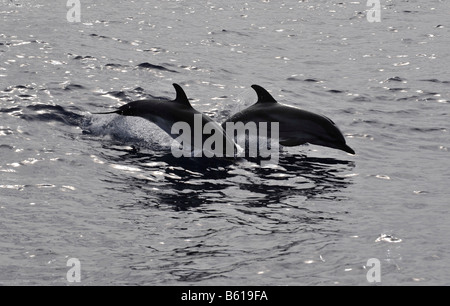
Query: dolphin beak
point(104, 113)
point(347, 149)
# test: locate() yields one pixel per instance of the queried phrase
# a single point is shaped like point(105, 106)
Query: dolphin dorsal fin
point(181, 96)
point(263, 95)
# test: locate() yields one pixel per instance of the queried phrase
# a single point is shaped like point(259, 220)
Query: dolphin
point(296, 126)
point(168, 114)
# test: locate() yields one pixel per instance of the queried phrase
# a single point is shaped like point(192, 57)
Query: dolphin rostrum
point(178, 115)
point(296, 126)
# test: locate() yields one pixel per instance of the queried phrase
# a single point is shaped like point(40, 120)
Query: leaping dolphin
point(169, 114)
point(296, 126)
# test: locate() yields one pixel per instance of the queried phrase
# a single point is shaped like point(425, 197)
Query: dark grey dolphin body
point(166, 113)
point(296, 126)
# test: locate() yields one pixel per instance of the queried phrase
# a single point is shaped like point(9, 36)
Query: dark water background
point(144, 217)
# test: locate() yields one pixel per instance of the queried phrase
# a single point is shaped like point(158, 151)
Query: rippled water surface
point(106, 189)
